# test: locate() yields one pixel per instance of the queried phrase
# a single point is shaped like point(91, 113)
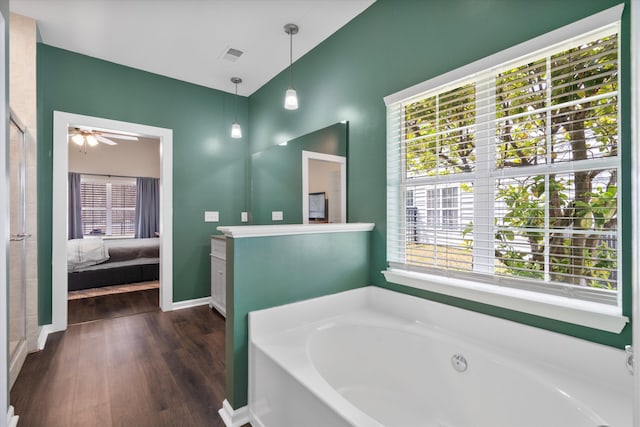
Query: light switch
point(244, 217)
point(211, 216)
point(276, 216)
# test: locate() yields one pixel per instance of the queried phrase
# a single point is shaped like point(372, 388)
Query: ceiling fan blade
point(118, 136)
point(105, 140)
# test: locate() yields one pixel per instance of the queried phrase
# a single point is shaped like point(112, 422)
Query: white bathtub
point(372, 357)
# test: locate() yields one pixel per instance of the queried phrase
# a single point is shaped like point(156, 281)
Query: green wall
point(276, 173)
point(392, 45)
point(265, 272)
point(395, 44)
point(209, 168)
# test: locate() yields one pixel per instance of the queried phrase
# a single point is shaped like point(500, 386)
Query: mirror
point(283, 176)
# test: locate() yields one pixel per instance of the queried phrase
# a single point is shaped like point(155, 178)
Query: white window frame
point(108, 181)
point(581, 312)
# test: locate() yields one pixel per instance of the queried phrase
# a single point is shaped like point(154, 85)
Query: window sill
point(589, 314)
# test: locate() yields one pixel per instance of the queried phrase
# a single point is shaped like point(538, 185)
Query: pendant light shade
point(291, 97)
point(236, 130)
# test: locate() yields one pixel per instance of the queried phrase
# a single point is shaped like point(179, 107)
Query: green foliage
point(439, 133)
point(580, 128)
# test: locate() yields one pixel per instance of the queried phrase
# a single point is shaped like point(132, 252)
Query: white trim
point(233, 418)
point(61, 123)
point(635, 200)
point(12, 418)
point(590, 314)
point(16, 362)
point(4, 217)
point(559, 35)
point(45, 330)
point(190, 303)
point(218, 307)
point(342, 161)
point(241, 231)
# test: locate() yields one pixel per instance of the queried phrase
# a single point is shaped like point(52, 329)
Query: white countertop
point(241, 231)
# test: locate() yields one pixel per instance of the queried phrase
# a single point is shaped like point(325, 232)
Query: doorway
point(324, 184)
point(62, 123)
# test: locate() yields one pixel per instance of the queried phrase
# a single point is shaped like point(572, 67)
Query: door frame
point(340, 160)
point(61, 123)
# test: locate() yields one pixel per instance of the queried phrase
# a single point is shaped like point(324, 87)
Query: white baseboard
point(233, 418)
point(45, 330)
point(219, 308)
point(12, 418)
point(16, 362)
point(190, 303)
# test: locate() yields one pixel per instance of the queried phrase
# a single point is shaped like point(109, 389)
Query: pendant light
point(291, 98)
point(236, 131)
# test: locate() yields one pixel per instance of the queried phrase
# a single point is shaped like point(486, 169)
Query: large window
point(510, 175)
point(108, 205)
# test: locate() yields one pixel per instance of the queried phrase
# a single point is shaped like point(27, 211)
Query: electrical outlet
point(276, 216)
point(211, 216)
point(244, 217)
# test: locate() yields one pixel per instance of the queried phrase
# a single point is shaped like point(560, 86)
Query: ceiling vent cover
point(232, 54)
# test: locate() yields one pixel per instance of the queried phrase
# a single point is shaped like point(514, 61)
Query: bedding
point(82, 253)
point(128, 249)
point(127, 261)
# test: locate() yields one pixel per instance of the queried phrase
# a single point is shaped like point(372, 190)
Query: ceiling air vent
point(232, 54)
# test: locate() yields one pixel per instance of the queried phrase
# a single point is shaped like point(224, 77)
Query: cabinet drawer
point(218, 285)
point(218, 248)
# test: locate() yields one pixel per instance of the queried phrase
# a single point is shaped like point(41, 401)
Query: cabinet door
point(218, 284)
point(219, 248)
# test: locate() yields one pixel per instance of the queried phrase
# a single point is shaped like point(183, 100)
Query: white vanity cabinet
point(218, 274)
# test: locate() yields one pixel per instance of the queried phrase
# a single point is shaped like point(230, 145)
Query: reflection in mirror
point(278, 183)
point(324, 174)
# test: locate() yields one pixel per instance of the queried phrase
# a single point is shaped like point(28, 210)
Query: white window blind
point(509, 175)
point(108, 205)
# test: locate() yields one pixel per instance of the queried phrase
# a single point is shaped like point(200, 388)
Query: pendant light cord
point(291, 59)
point(236, 115)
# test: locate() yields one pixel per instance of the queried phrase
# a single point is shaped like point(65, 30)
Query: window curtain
point(75, 207)
point(147, 207)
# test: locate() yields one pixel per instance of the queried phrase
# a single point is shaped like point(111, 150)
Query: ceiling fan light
point(236, 130)
point(91, 140)
point(291, 99)
point(77, 139)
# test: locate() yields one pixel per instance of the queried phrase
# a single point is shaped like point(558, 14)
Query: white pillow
point(85, 252)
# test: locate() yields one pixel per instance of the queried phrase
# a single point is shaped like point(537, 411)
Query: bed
point(97, 262)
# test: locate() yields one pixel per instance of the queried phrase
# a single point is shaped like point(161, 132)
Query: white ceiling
point(186, 39)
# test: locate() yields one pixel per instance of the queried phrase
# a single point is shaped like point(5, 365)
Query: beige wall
point(319, 175)
point(22, 99)
point(325, 176)
point(128, 158)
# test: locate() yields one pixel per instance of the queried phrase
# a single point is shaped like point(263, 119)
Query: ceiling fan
point(90, 137)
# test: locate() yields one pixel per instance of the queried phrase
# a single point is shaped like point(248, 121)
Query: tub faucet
point(629, 350)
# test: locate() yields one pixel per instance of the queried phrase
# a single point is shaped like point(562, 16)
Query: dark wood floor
point(149, 369)
point(110, 306)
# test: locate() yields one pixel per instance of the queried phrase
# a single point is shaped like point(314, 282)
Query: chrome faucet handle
point(629, 350)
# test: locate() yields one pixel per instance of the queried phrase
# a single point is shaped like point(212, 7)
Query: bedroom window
point(507, 175)
point(108, 205)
